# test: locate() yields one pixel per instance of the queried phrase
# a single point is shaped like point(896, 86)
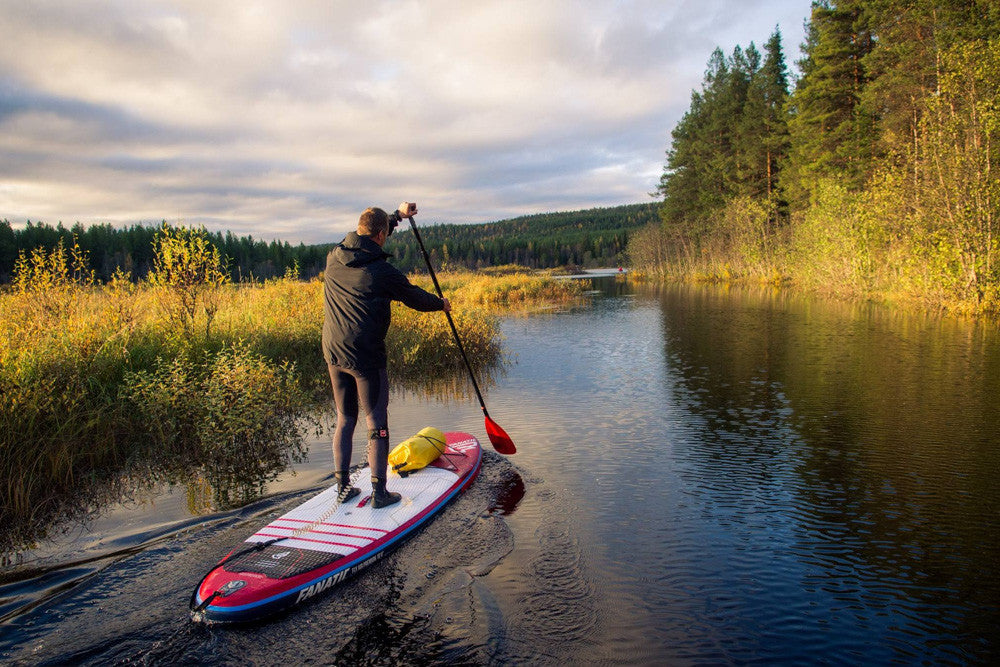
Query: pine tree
point(690, 184)
point(831, 133)
point(905, 65)
point(703, 162)
point(770, 86)
point(729, 143)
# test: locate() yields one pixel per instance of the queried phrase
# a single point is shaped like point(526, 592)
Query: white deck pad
point(350, 526)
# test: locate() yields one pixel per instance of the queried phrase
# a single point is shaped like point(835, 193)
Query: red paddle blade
point(501, 441)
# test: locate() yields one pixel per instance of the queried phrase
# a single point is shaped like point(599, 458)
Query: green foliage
point(832, 244)
point(832, 133)
point(50, 280)
point(887, 160)
point(235, 415)
point(947, 178)
point(42, 271)
point(763, 139)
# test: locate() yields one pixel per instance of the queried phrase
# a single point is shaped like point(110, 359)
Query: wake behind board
point(320, 543)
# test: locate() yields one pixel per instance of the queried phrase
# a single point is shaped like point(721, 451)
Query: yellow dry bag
point(417, 452)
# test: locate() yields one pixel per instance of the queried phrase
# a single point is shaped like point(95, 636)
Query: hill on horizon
point(586, 238)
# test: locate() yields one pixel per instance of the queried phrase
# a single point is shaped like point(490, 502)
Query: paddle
point(498, 437)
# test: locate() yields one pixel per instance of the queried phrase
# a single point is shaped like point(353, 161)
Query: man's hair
point(373, 221)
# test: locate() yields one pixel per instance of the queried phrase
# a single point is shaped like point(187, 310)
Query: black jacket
point(358, 286)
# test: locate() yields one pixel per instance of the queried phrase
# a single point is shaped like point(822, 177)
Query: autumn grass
point(100, 379)
point(511, 291)
point(848, 246)
point(93, 380)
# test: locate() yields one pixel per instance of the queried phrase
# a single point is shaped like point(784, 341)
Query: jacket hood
point(357, 250)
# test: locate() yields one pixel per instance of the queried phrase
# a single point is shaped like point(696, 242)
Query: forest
point(591, 238)
point(870, 173)
point(595, 237)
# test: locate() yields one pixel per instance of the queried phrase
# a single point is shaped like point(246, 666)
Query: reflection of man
point(358, 287)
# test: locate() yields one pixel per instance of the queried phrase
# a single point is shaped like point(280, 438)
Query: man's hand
point(407, 209)
point(447, 305)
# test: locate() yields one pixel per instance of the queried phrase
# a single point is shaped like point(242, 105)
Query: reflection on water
point(231, 479)
point(509, 495)
point(451, 386)
point(853, 449)
point(749, 475)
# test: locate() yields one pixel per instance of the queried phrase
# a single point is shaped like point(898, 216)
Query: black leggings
point(370, 389)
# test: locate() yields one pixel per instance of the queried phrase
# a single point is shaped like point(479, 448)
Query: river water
point(704, 475)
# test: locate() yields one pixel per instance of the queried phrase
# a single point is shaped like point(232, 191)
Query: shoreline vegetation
point(194, 377)
point(874, 175)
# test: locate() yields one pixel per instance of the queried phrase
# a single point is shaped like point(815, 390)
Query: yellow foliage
point(190, 271)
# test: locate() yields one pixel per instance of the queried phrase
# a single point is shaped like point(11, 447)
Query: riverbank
point(846, 245)
point(825, 280)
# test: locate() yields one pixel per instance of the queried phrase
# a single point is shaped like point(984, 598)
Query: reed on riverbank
point(515, 290)
point(846, 245)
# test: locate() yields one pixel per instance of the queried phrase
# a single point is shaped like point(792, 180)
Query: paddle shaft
point(451, 322)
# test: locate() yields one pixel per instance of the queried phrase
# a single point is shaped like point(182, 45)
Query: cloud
point(284, 119)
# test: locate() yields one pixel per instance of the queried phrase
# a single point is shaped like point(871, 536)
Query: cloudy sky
point(285, 119)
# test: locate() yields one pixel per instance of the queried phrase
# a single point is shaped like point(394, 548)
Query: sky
point(284, 120)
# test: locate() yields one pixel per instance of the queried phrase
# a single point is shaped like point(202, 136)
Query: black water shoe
point(382, 498)
point(346, 491)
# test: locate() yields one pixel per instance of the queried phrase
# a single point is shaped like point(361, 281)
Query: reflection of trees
point(879, 427)
point(237, 480)
point(451, 383)
point(222, 478)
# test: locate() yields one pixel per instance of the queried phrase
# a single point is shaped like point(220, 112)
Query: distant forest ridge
point(587, 238)
point(591, 238)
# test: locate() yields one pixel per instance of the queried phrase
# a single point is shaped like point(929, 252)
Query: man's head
point(373, 222)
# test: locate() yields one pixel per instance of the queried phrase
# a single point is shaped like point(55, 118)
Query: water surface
point(704, 475)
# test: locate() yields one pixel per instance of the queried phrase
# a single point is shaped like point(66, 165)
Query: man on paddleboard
point(358, 287)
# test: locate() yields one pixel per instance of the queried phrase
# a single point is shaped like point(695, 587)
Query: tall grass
point(505, 291)
point(206, 381)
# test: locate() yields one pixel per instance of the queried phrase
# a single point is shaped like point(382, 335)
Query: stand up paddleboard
point(322, 542)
